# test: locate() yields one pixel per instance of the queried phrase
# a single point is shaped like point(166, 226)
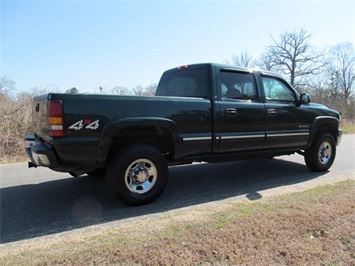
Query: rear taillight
point(55, 119)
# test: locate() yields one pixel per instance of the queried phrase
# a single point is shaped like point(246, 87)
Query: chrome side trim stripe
point(248, 136)
point(287, 134)
point(196, 138)
point(243, 136)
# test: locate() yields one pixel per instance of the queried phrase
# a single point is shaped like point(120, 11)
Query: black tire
point(138, 174)
point(98, 173)
point(320, 156)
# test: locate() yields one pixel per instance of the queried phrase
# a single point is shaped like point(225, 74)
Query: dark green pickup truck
point(201, 112)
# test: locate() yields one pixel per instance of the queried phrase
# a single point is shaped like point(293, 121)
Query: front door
point(241, 119)
point(287, 123)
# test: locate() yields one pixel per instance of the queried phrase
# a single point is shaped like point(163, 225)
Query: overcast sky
point(57, 45)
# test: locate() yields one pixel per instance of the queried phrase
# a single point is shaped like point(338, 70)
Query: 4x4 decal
point(86, 124)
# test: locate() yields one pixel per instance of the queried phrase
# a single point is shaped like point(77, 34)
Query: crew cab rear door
point(287, 123)
point(241, 119)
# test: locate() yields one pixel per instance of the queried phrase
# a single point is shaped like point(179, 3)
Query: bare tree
point(322, 90)
point(151, 89)
point(342, 69)
point(138, 91)
point(120, 90)
point(266, 62)
point(73, 91)
point(295, 55)
point(243, 60)
point(6, 84)
point(16, 115)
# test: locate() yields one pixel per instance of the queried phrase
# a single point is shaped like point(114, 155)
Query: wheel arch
point(326, 124)
point(158, 132)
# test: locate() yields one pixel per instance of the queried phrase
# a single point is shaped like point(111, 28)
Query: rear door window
point(237, 85)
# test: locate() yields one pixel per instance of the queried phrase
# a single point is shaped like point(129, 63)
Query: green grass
point(348, 126)
point(349, 129)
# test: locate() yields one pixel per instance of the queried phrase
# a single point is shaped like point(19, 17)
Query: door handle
point(231, 111)
point(271, 111)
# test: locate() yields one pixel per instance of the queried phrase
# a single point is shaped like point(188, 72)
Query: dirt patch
point(316, 227)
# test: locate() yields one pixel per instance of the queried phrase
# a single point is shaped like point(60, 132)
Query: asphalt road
point(39, 202)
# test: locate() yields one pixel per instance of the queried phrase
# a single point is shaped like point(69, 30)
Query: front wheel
point(138, 174)
point(320, 156)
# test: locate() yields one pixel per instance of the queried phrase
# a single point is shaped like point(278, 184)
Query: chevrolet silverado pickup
point(201, 112)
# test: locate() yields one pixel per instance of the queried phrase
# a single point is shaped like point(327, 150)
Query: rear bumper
point(39, 153)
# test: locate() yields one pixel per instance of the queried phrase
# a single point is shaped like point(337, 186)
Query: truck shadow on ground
point(57, 206)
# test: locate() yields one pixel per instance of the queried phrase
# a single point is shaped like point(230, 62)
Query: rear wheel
point(138, 174)
point(320, 156)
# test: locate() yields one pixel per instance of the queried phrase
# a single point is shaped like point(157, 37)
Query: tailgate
point(40, 116)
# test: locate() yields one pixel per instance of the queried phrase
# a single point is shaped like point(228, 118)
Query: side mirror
point(304, 99)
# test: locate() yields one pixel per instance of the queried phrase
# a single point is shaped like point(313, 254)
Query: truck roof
point(227, 67)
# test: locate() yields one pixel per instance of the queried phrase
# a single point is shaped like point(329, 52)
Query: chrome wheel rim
point(325, 152)
point(141, 176)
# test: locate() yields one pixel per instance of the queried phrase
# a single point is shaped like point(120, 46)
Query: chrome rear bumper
point(39, 153)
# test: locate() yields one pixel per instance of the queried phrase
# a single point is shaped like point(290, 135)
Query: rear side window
point(184, 83)
point(236, 85)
